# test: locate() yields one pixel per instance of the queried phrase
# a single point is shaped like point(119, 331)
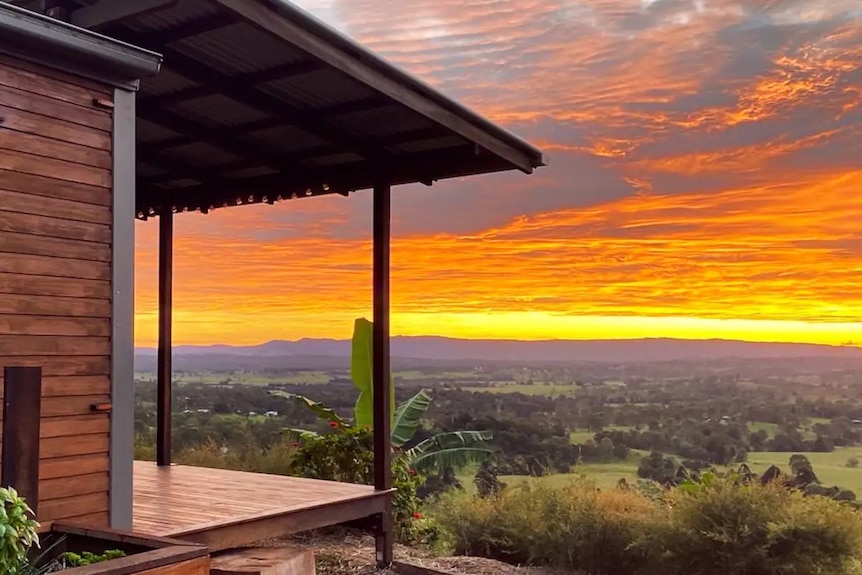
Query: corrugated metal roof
point(256, 97)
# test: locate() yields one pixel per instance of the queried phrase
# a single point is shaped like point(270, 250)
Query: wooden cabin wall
point(55, 273)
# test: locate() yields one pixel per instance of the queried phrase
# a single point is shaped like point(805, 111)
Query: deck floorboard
point(195, 502)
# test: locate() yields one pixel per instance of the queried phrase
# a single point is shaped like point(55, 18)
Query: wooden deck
point(224, 509)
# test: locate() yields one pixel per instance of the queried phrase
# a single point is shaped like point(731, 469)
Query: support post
point(380, 362)
point(123, 313)
point(163, 384)
point(22, 417)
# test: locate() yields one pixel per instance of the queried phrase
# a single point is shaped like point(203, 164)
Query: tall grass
point(276, 459)
point(718, 529)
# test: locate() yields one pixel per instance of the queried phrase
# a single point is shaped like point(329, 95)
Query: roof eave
point(294, 25)
point(40, 38)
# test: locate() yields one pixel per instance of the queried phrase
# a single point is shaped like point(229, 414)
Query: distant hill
point(443, 348)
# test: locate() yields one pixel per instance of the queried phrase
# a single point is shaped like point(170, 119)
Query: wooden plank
point(40, 225)
point(230, 536)
point(58, 366)
point(21, 284)
point(76, 197)
point(76, 424)
point(89, 116)
point(97, 161)
point(199, 566)
point(74, 506)
point(53, 267)
point(122, 536)
point(55, 247)
point(71, 385)
point(55, 127)
point(22, 404)
point(188, 503)
point(57, 306)
point(65, 326)
point(72, 445)
point(72, 466)
point(17, 161)
point(94, 520)
point(31, 202)
point(72, 405)
point(70, 486)
point(264, 561)
point(22, 75)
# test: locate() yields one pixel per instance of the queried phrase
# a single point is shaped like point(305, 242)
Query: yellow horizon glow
point(533, 326)
point(687, 195)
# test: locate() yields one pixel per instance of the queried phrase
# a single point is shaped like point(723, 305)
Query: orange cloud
point(703, 182)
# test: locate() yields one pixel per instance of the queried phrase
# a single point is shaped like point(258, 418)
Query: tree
point(487, 482)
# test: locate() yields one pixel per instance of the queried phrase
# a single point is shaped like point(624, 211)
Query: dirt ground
point(352, 553)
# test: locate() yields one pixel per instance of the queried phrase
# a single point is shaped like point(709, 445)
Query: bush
point(346, 454)
point(721, 527)
point(575, 526)
point(712, 527)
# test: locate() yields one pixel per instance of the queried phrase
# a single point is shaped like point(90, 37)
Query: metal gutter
point(54, 43)
point(346, 44)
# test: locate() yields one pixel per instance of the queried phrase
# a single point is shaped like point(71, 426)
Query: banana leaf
point(454, 449)
point(361, 372)
point(319, 409)
point(408, 416)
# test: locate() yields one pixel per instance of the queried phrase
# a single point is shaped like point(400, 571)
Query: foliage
point(853, 462)
point(574, 526)
point(17, 532)
point(432, 455)
point(721, 526)
point(362, 372)
point(486, 480)
point(70, 559)
point(347, 455)
point(711, 526)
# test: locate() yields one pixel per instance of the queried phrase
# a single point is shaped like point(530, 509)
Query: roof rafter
point(189, 137)
point(226, 142)
point(250, 79)
point(201, 73)
point(150, 154)
point(462, 161)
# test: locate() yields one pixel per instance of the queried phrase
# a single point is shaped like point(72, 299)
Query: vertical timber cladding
point(56, 271)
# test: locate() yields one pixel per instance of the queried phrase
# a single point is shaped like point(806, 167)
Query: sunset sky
point(704, 180)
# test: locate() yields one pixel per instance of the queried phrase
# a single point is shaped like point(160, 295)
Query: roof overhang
point(258, 101)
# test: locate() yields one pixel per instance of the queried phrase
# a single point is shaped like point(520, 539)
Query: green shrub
point(347, 454)
point(722, 527)
point(575, 526)
point(17, 532)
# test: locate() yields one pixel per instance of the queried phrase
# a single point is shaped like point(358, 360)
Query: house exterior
point(67, 188)
point(113, 110)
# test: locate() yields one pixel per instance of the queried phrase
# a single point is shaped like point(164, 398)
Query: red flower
point(295, 444)
point(417, 515)
point(411, 472)
point(333, 424)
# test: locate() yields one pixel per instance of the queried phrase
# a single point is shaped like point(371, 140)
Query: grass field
point(830, 468)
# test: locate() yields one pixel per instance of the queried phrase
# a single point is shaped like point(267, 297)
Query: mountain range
point(444, 348)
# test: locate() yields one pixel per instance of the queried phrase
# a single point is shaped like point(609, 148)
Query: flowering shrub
point(347, 455)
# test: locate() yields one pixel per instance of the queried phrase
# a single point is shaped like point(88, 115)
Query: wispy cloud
point(704, 163)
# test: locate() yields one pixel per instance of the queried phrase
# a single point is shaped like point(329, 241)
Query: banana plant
point(432, 455)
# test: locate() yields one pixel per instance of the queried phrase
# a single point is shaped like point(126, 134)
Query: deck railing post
point(163, 383)
point(380, 361)
point(22, 419)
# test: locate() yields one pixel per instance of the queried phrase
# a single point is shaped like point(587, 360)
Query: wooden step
point(264, 561)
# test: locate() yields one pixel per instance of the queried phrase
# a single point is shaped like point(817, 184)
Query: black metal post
point(163, 386)
point(380, 375)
